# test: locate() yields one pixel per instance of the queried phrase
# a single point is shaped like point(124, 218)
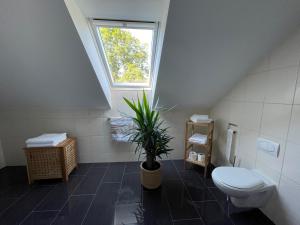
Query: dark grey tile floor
point(111, 194)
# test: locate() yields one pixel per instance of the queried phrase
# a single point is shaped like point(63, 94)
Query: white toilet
point(246, 188)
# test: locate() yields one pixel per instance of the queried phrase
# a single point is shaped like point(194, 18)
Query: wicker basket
point(51, 162)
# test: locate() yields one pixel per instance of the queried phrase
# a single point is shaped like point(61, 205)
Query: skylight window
point(128, 50)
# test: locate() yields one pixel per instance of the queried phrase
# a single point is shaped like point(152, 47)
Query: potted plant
point(151, 138)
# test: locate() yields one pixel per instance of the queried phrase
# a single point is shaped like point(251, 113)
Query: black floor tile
point(189, 222)
point(47, 182)
point(132, 167)
point(90, 182)
point(228, 207)
point(105, 200)
point(195, 186)
point(97, 171)
point(72, 184)
point(191, 177)
point(129, 214)
point(13, 175)
point(220, 196)
point(100, 165)
point(169, 170)
point(74, 211)
point(130, 191)
point(5, 202)
point(212, 213)
point(181, 206)
point(196, 168)
point(82, 169)
point(250, 217)
point(180, 165)
point(20, 209)
point(185, 198)
point(200, 194)
point(155, 208)
point(209, 182)
point(59, 195)
point(40, 218)
point(114, 173)
point(15, 191)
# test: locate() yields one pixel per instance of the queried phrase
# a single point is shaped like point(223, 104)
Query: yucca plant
point(149, 134)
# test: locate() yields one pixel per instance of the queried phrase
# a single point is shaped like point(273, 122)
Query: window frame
point(96, 23)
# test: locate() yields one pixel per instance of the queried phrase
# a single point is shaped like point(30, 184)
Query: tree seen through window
point(128, 53)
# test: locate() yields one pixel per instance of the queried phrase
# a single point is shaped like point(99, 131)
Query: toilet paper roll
point(193, 156)
point(201, 157)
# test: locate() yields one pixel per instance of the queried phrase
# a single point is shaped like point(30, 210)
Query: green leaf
point(149, 134)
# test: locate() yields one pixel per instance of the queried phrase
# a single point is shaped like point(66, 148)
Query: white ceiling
point(140, 10)
point(210, 44)
point(42, 60)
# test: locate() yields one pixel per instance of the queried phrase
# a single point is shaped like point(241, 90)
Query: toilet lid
point(239, 178)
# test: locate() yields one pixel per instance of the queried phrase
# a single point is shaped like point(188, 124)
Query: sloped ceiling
point(140, 10)
point(210, 44)
point(42, 60)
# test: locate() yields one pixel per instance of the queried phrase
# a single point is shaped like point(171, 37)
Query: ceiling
point(210, 44)
point(42, 59)
point(140, 10)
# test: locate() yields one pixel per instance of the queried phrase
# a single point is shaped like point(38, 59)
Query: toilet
point(246, 188)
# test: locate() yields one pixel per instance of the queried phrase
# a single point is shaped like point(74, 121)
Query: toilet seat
point(236, 178)
point(246, 188)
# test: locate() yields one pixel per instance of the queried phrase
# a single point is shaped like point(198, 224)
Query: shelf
point(204, 123)
point(200, 145)
point(189, 132)
point(201, 163)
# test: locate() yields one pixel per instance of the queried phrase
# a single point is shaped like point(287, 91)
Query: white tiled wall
point(266, 103)
point(91, 127)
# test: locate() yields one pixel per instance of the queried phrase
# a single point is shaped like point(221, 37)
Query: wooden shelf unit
point(207, 147)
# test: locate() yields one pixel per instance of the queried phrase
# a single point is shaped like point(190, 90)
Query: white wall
point(266, 103)
point(91, 127)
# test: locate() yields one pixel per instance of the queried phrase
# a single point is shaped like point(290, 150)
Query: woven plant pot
point(150, 179)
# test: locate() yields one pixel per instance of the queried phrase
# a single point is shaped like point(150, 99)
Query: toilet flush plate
point(269, 147)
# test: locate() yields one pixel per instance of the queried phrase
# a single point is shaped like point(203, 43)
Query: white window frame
point(126, 24)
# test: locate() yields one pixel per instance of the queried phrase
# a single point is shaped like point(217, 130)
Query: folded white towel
point(53, 144)
point(198, 138)
point(200, 118)
point(46, 140)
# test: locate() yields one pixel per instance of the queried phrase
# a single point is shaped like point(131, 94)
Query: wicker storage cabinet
point(51, 162)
